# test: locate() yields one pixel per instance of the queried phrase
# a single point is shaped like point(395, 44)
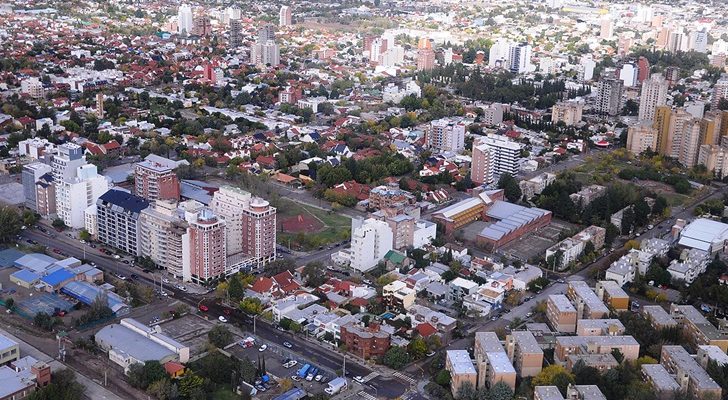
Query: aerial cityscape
point(364, 199)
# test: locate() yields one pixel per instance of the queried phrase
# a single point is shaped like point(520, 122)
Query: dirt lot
point(535, 243)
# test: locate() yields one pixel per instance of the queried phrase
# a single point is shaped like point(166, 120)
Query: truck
point(302, 372)
point(336, 385)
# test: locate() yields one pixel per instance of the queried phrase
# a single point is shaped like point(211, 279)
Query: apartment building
point(461, 369)
point(461, 288)
point(398, 296)
point(365, 342)
point(117, 220)
point(492, 361)
point(697, 327)
point(599, 327)
point(641, 137)
point(691, 264)
point(661, 380)
point(77, 184)
point(446, 135)
point(688, 374)
point(9, 350)
point(586, 302)
point(156, 180)
point(371, 240)
point(45, 195)
point(568, 112)
point(206, 242)
point(382, 197)
point(31, 174)
point(561, 314)
point(494, 155)
point(652, 95)
point(578, 345)
point(163, 234)
point(229, 203)
point(524, 353)
point(612, 294)
point(658, 317)
point(707, 353)
point(586, 195)
point(536, 185)
point(609, 96)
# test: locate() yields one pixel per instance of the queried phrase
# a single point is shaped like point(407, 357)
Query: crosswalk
point(371, 376)
point(367, 396)
point(404, 377)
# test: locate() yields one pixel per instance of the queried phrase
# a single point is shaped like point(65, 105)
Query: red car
point(203, 308)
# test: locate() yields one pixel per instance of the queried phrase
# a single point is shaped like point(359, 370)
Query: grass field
point(336, 227)
point(224, 393)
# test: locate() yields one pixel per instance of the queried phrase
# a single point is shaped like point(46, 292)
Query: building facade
point(117, 220)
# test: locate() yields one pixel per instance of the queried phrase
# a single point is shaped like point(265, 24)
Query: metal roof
point(58, 277)
point(460, 362)
point(125, 200)
point(25, 275)
point(511, 217)
point(126, 341)
point(702, 233)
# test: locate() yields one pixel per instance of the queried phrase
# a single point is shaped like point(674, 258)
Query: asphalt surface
point(388, 387)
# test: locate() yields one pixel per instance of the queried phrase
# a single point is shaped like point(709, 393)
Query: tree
point(143, 375)
point(190, 385)
point(641, 213)
point(63, 386)
point(59, 224)
point(45, 321)
point(248, 371)
point(235, 288)
point(611, 233)
point(514, 297)
point(9, 224)
point(9, 303)
point(417, 348)
point(84, 235)
point(315, 274)
point(220, 336)
point(466, 391)
point(443, 377)
point(278, 266)
point(396, 357)
point(500, 391)
point(554, 375)
point(162, 389)
point(510, 187)
point(628, 221)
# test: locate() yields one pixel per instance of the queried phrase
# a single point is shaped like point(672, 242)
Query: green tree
point(9, 303)
point(641, 213)
point(500, 391)
point(162, 389)
point(417, 348)
point(143, 375)
point(628, 221)
point(59, 224)
point(235, 289)
point(84, 235)
point(247, 370)
point(510, 187)
point(190, 385)
point(611, 234)
point(314, 274)
point(63, 386)
point(10, 224)
point(220, 336)
point(554, 375)
point(443, 377)
point(396, 357)
point(466, 391)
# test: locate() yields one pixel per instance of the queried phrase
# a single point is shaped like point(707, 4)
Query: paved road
point(381, 386)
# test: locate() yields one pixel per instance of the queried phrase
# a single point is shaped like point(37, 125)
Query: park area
point(305, 228)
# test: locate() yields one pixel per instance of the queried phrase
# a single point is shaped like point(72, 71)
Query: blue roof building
point(86, 293)
point(57, 279)
point(24, 278)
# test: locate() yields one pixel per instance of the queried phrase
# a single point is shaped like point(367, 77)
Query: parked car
point(263, 348)
point(287, 345)
point(222, 319)
point(359, 379)
point(203, 308)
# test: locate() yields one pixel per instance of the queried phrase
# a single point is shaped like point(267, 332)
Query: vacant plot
point(534, 244)
point(311, 227)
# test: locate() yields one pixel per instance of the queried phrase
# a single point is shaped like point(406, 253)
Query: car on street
point(125, 261)
point(561, 281)
point(116, 256)
point(263, 348)
point(222, 319)
point(203, 308)
point(134, 276)
point(529, 314)
point(120, 276)
point(359, 379)
point(287, 345)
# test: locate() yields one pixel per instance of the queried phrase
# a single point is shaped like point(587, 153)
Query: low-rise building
point(536, 185)
point(461, 369)
point(525, 353)
point(398, 296)
point(568, 345)
point(460, 288)
point(586, 302)
point(585, 196)
point(691, 377)
point(612, 294)
point(660, 379)
point(692, 263)
point(707, 353)
point(658, 317)
point(561, 314)
point(365, 342)
point(697, 327)
point(599, 327)
point(9, 350)
point(22, 377)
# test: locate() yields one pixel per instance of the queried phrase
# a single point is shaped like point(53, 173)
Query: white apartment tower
point(494, 155)
point(371, 240)
point(520, 58)
point(184, 20)
point(654, 93)
point(285, 17)
point(78, 184)
point(230, 202)
point(720, 91)
point(446, 135)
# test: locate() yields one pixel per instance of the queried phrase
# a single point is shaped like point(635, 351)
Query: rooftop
point(6, 342)
point(488, 342)
point(562, 303)
point(510, 217)
point(126, 341)
point(687, 364)
point(660, 378)
point(714, 353)
point(582, 290)
point(702, 233)
point(500, 363)
point(695, 317)
point(125, 200)
point(659, 316)
point(526, 341)
point(548, 393)
point(460, 362)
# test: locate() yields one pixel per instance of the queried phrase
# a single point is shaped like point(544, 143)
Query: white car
point(359, 379)
point(329, 391)
point(116, 256)
point(318, 378)
point(222, 319)
point(165, 280)
point(263, 348)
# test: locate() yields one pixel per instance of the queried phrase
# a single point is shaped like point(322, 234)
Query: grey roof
point(661, 379)
point(437, 288)
point(124, 340)
point(587, 295)
point(6, 342)
point(489, 342)
point(527, 342)
point(594, 360)
point(659, 316)
point(460, 361)
point(687, 364)
point(714, 353)
point(589, 392)
point(562, 303)
point(692, 314)
point(35, 262)
point(123, 199)
point(13, 381)
point(602, 324)
point(548, 393)
point(510, 218)
point(500, 363)
point(702, 233)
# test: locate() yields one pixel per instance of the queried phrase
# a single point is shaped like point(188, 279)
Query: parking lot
point(191, 330)
point(534, 244)
point(275, 356)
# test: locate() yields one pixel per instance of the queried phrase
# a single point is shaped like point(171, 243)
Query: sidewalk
point(92, 389)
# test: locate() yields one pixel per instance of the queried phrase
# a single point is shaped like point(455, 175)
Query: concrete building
point(689, 266)
point(365, 342)
point(704, 234)
point(492, 114)
point(572, 248)
point(561, 314)
point(9, 350)
point(156, 180)
point(660, 379)
point(207, 246)
point(535, 185)
point(398, 296)
point(690, 376)
point(525, 353)
point(446, 135)
point(285, 16)
point(130, 342)
point(492, 361)
point(184, 20)
point(371, 239)
point(117, 220)
point(578, 345)
point(77, 184)
point(720, 91)
point(45, 195)
point(658, 317)
point(425, 60)
point(461, 369)
point(641, 137)
point(599, 327)
point(163, 234)
point(265, 53)
point(568, 112)
point(586, 195)
point(31, 175)
point(33, 87)
point(460, 288)
point(609, 96)
point(35, 148)
point(586, 302)
point(520, 58)
point(653, 94)
point(697, 328)
point(707, 353)
point(492, 156)
point(612, 294)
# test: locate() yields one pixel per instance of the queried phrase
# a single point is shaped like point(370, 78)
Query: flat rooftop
point(686, 364)
point(500, 363)
point(527, 342)
point(562, 303)
point(659, 316)
point(660, 378)
point(582, 290)
point(460, 362)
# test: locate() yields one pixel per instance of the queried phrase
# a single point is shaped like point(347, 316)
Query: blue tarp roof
point(58, 277)
point(293, 394)
point(26, 276)
point(87, 293)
